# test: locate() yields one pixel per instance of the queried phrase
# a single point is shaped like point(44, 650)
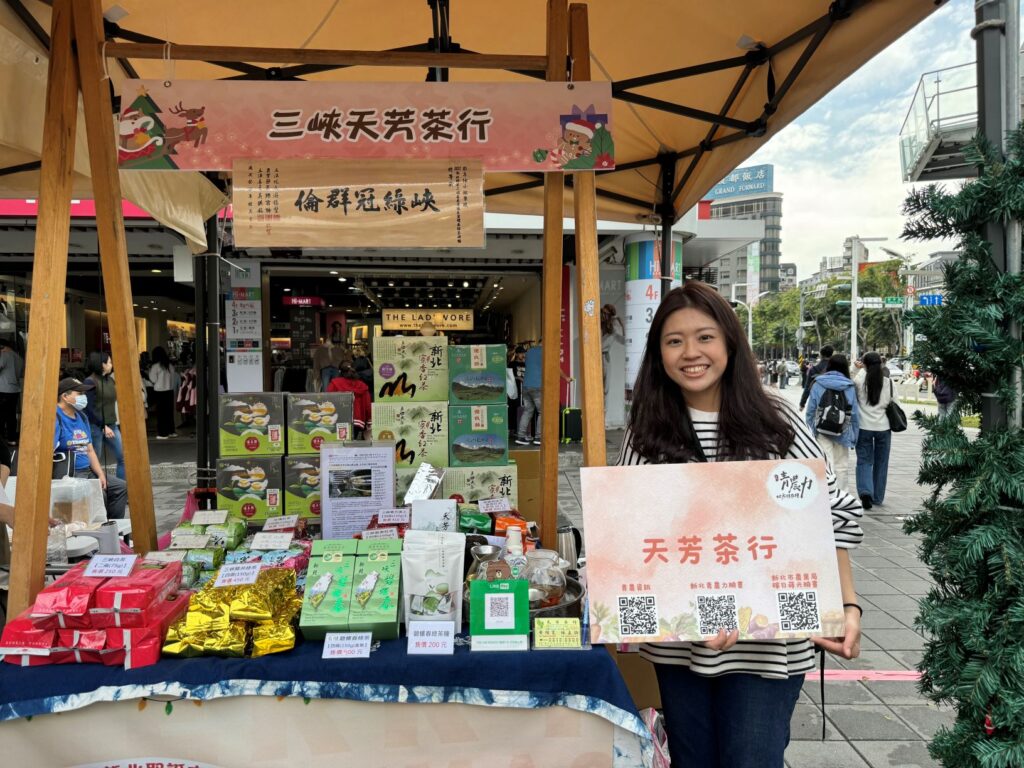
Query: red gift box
point(140, 646)
point(130, 601)
point(78, 646)
point(65, 604)
point(24, 644)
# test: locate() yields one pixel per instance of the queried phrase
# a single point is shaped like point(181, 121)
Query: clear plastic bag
point(72, 500)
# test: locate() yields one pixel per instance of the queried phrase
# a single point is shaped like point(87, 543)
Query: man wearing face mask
point(73, 435)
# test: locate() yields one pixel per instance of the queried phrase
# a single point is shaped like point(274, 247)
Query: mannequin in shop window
point(348, 380)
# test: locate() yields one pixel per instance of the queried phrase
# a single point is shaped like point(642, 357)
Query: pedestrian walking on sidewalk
point(698, 398)
point(531, 397)
point(818, 367)
point(12, 376)
point(945, 396)
point(161, 374)
point(833, 415)
point(102, 409)
point(874, 392)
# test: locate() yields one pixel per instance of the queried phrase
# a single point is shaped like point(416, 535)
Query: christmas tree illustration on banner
point(142, 136)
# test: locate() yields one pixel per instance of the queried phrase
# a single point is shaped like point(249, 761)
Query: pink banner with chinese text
point(204, 125)
point(679, 551)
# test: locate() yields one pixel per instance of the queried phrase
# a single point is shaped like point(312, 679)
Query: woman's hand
point(847, 646)
point(723, 641)
point(108, 432)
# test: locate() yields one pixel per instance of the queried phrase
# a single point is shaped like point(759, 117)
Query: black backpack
point(833, 412)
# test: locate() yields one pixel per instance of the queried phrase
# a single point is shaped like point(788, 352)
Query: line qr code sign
point(498, 612)
point(715, 612)
point(638, 616)
point(798, 611)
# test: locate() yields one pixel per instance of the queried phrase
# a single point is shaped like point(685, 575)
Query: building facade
point(762, 258)
point(787, 276)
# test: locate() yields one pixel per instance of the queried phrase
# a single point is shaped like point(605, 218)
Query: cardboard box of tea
point(302, 486)
point(252, 424)
point(477, 374)
point(250, 487)
point(375, 592)
point(418, 430)
point(328, 595)
point(314, 419)
point(478, 435)
point(470, 484)
point(410, 368)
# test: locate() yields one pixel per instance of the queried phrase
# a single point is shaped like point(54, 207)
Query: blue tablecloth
point(587, 681)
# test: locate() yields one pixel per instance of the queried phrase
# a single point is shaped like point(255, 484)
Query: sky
point(838, 165)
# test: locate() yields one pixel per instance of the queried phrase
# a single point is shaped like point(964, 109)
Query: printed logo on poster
point(792, 485)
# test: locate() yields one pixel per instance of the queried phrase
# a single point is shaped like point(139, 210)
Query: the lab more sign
point(358, 203)
point(205, 125)
point(415, 319)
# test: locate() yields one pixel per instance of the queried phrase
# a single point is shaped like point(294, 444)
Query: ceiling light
point(156, 271)
point(465, 283)
point(334, 271)
point(287, 290)
point(451, 283)
point(407, 303)
point(421, 306)
point(391, 283)
point(449, 306)
point(342, 279)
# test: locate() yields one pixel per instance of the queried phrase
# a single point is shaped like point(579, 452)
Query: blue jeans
point(873, 463)
point(732, 721)
point(531, 405)
point(107, 447)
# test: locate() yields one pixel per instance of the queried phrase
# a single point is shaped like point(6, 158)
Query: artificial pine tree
point(972, 525)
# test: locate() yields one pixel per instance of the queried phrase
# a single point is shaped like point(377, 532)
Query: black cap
point(71, 384)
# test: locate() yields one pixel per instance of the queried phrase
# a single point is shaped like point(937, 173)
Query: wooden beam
point(588, 277)
point(221, 53)
point(46, 313)
point(106, 185)
point(551, 313)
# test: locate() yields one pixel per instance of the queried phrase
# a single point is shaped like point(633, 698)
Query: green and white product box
point(410, 368)
point(252, 424)
point(328, 596)
point(250, 488)
point(477, 374)
point(375, 588)
point(470, 484)
point(302, 486)
point(314, 419)
point(418, 430)
point(478, 435)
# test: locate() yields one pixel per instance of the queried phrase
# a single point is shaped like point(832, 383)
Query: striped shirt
point(766, 658)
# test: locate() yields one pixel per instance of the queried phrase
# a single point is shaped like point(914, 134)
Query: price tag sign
point(237, 574)
point(557, 633)
point(110, 566)
point(431, 638)
point(381, 533)
point(166, 556)
point(264, 540)
point(399, 516)
point(495, 506)
point(281, 523)
point(347, 645)
point(190, 541)
point(210, 517)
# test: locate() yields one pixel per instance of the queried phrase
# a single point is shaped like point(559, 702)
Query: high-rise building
point(747, 193)
point(787, 276)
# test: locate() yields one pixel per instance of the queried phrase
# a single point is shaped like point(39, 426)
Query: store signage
point(752, 180)
point(414, 319)
point(205, 125)
point(359, 203)
point(930, 299)
point(303, 301)
point(683, 570)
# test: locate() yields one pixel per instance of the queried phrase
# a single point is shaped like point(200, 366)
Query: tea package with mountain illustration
point(478, 435)
point(252, 424)
point(418, 430)
point(477, 374)
point(470, 484)
point(302, 486)
point(410, 369)
point(317, 418)
point(250, 487)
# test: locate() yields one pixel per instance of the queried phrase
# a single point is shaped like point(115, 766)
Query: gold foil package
point(266, 598)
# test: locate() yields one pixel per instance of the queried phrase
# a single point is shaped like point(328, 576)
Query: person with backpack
point(945, 396)
point(817, 368)
point(874, 392)
point(833, 414)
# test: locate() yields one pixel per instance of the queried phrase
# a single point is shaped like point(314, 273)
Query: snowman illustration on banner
point(585, 143)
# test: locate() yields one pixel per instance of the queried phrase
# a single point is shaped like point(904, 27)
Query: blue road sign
point(930, 299)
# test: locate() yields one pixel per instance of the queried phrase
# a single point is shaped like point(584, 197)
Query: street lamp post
point(855, 271)
point(750, 313)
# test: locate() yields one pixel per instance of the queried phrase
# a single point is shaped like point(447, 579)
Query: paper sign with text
point(347, 645)
point(388, 532)
point(431, 638)
point(236, 574)
point(557, 632)
point(399, 516)
point(744, 545)
point(190, 541)
point(495, 506)
point(110, 566)
point(271, 540)
point(281, 523)
point(209, 517)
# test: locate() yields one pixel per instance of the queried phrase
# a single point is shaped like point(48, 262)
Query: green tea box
point(328, 596)
point(314, 419)
point(252, 424)
point(410, 368)
point(418, 430)
point(470, 484)
point(302, 486)
point(375, 590)
point(250, 487)
point(478, 435)
point(477, 374)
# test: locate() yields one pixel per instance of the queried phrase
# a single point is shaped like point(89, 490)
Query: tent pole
point(588, 277)
point(202, 398)
point(212, 331)
point(551, 314)
point(667, 212)
point(106, 186)
point(28, 556)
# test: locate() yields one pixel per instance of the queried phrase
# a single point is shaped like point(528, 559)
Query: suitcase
point(572, 420)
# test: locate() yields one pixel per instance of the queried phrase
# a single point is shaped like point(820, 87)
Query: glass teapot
point(544, 575)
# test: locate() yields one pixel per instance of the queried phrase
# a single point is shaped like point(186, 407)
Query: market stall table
point(548, 706)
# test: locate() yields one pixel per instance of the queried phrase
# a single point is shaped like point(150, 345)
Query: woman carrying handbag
point(876, 396)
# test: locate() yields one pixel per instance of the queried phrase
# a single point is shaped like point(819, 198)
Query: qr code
point(499, 606)
point(638, 616)
point(715, 612)
point(798, 611)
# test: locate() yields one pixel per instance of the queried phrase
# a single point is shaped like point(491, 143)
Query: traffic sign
point(910, 290)
point(894, 301)
point(870, 302)
point(930, 299)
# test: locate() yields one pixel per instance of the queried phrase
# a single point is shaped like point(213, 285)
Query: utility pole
point(855, 273)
